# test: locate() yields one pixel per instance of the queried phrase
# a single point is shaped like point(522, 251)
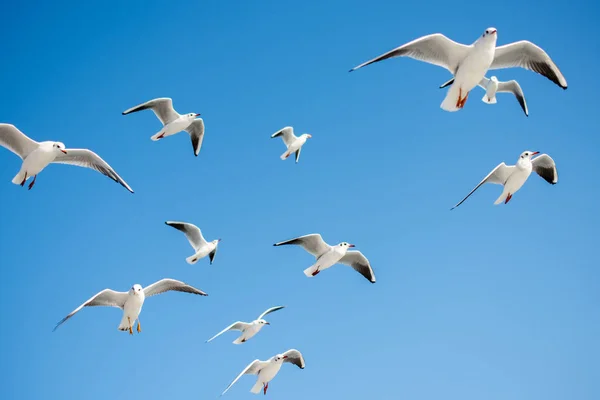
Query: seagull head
point(262, 322)
point(216, 242)
point(278, 359)
point(307, 135)
point(346, 245)
point(489, 36)
point(193, 115)
point(136, 290)
point(527, 154)
point(59, 146)
point(494, 79)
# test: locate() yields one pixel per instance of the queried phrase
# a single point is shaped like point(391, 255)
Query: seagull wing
point(236, 326)
point(514, 88)
point(192, 233)
point(196, 131)
point(434, 49)
point(269, 311)
point(162, 107)
point(295, 357)
point(88, 159)
point(527, 55)
point(545, 167)
point(483, 83)
point(359, 262)
point(16, 141)
point(107, 297)
point(499, 175)
point(312, 243)
point(164, 285)
point(287, 135)
point(252, 369)
point(447, 83)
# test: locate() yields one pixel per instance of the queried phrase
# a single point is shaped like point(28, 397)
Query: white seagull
point(248, 329)
point(267, 370)
point(201, 247)
point(173, 122)
point(37, 155)
point(469, 63)
point(493, 86)
point(512, 177)
point(329, 255)
point(292, 142)
point(131, 302)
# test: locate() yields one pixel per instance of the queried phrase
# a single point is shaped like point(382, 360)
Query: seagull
point(37, 155)
point(131, 302)
point(173, 122)
point(469, 63)
point(248, 329)
point(512, 177)
point(493, 86)
point(200, 245)
point(329, 255)
point(292, 142)
point(267, 370)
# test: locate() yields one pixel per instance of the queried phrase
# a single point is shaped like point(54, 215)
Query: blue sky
point(484, 302)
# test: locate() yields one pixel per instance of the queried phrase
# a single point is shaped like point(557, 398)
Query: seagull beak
point(493, 32)
point(309, 135)
point(64, 151)
point(197, 115)
point(284, 357)
point(218, 240)
point(267, 323)
point(535, 152)
point(351, 245)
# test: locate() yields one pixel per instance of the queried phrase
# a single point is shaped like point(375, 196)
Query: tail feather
point(310, 270)
point(257, 387)
point(501, 198)
point(157, 135)
point(193, 259)
point(19, 177)
point(451, 100)
point(239, 340)
point(285, 155)
point(487, 100)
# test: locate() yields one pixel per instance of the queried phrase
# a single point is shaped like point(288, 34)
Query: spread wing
point(295, 357)
point(359, 262)
point(269, 311)
point(312, 243)
point(514, 88)
point(164, 285)
point(162, 107)
point(192, 233)
point(212, 254)
point(483, 83)
point(287, 135)
point(236, 326)
point(107, 297)
point(499, 175)
point(545, 167)
point(16, 141)
point(434, 49)
point(252, 369)
point(196, 131)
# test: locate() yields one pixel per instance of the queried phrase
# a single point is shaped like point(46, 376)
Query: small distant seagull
point(37, 155)
point(248, 329)
point(267, 370)
point(173, 122)
point(291, 141)
point(469, 63)
point(512, 177)
point(493, 86)
point(329, 255)
point(131, 302)
point(200, 245)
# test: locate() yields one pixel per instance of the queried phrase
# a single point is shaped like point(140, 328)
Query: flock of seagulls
point(468, 65)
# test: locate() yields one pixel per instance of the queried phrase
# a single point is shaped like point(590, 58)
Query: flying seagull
point(201, 247)
point(512, 177)
point(292, 142)
point(329, 255)
point(131, 302)
point(37, 155)
point(493, 86)
point(248, 329)
point(172, 121)
point(267, 370)
point(469, 63)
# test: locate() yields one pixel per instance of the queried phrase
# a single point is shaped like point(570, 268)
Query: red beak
point(197, 115)
point(64, 151)
point(351, 245)
point(492, 32)
point(285, 357)
point(218, 240)
point(535, 152)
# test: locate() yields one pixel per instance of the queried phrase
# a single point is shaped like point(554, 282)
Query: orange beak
point(64, 151)
point(535, 152)
point(285, 357)
point(492, 32)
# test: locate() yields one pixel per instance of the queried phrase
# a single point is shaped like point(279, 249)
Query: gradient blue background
point(484, 302)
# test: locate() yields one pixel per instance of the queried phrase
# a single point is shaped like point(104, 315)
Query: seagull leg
point(266, 387)
point(459, 98)
point(130, 330)
point(508, 198)
point(32, 182)
point(316, 272)
point(139, 328)
point(24, 179)
point(463, 101)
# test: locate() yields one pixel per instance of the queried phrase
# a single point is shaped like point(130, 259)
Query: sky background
point(483, 302)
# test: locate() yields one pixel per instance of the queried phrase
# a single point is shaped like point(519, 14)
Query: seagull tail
point(501, 198)
point(158, 135)
point(285, 155)
point(487, 100)
point(238, 340)
point(193, 259)
point(19, 178)
point(450, 103)
point(310, 270)
point(257, 387)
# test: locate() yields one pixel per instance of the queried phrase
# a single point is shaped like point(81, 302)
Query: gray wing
point(196, 131)
point(499, 175)
point(236, 326)
point(192, 233)
point(434, 49)
point(164, 285)
point(447, 83)
point(252, 369)
point(514, 88)
point(295, 357)
point(545, 167)
point(16, 141)
point(107, 297)
point(287, 135)
point(527, 55)
point(484, 82)
point(269, 311)
point(359, 262)
point(88, 159)
point(312, 243)
point(162, 107)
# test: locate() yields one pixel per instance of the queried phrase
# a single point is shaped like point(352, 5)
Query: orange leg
point(463, 101)
point(459, 97)
point(266, 387)
point(32, 182)
point(508, 198)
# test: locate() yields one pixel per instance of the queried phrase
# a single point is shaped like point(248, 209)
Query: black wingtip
point(351, 70)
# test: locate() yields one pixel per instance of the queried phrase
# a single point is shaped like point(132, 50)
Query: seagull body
point(493, 86)
point(292, 142)
point(248, 329)
point(267, 370)
point(513, 177)
point(131, 302)
point(38, 155)
point(328, 256)
point(201, 247)
point(173, 122)
point(469, 64)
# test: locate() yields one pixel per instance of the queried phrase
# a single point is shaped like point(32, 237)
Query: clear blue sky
point(484, 302)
